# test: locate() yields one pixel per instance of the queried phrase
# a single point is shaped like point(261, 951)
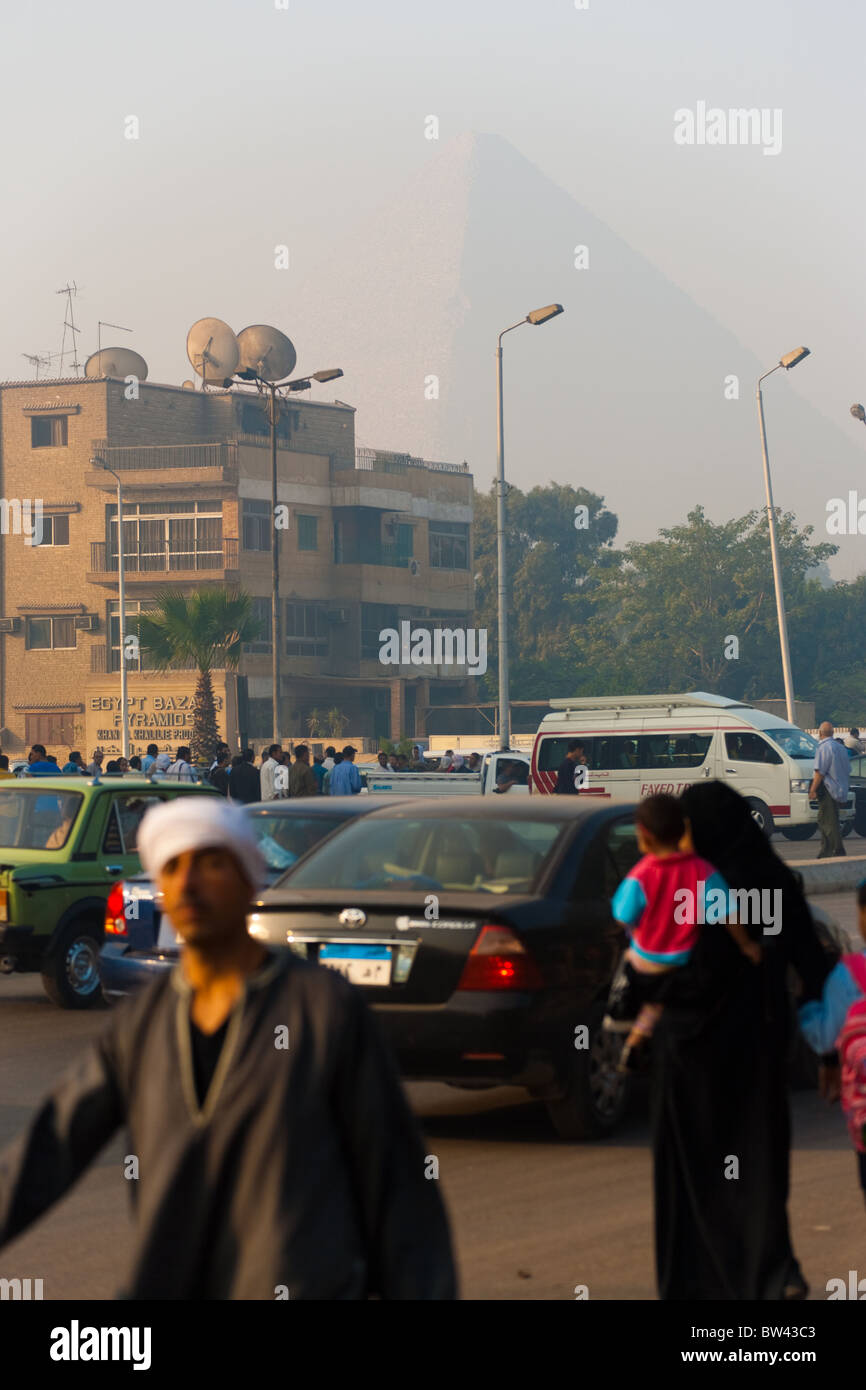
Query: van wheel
point(799, 832)
point(70, 975)
point(761, 815)
point(595, 1092)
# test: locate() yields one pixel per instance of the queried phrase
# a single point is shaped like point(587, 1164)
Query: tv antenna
point(39, 359)
point(102, 324)
point(69, 324)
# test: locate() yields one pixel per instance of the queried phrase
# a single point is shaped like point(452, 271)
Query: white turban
point(199, 822)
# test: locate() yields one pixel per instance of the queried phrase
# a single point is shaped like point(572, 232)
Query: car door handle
point(732, 771)
point(113, 868)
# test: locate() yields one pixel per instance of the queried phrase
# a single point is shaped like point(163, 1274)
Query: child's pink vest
point(851, 1046)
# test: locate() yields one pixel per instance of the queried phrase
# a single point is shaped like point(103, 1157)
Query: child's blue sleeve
point(821, 1019)
point(716, 890)
point(629, 902)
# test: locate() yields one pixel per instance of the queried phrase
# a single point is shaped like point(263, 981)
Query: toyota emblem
point(352, 917)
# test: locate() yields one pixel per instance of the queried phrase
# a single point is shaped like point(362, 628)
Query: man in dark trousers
point(572, 773)
point(245, 783)
point(277, 1154)
point(302, 779)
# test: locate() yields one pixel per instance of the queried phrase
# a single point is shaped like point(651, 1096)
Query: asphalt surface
point(532, 1217)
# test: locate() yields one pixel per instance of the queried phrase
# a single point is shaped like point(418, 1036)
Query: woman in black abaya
point(720, 1116)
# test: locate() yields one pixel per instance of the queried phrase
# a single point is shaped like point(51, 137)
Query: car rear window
point(485, 856)
point(283, 839)
point(37, 819)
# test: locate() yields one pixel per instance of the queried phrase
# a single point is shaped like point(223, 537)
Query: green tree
point(208, 629)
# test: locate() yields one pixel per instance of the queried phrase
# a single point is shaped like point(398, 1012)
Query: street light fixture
point(790, 359)
point(299, 384)
point(124, 709)
point(537, 317)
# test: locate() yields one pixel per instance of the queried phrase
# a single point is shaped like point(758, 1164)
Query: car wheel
point(761, 815)
point(595, 1092)
point(70, 975)
point(799, 832)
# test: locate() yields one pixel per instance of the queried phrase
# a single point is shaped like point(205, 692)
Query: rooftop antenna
point(37, 360)
point(102, 324)
point(69, 323)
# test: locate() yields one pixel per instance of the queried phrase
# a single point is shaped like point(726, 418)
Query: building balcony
point(372, 553)
point(183, 567)
point(155, 467)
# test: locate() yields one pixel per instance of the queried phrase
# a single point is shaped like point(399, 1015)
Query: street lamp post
point(791, 359)
point(299, 384)
point(537, 316)
point(124, 708)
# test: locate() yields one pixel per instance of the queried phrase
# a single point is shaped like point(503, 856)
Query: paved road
point(808, 849)
point(532, 1216)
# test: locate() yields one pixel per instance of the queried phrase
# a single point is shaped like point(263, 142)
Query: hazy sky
point(261, 125)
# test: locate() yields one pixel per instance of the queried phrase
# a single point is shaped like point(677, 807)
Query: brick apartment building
point(373, 538)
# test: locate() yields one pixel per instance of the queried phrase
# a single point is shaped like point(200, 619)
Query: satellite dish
point(189, 386)
point(116, 361)
point(268, 351)
point(213, 350)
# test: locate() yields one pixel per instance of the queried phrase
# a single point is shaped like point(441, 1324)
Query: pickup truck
point(381, 782)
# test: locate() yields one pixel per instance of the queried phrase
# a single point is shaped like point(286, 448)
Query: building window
point(306, 629)
point(56, 727)
point(449, 545)
point(261, 612)
point(48, 431)
point(133, 607)
point(47, 634)
point(308, 532)
point(256, 524)
point(168, 535)
point(374, 618)
point(55, 530)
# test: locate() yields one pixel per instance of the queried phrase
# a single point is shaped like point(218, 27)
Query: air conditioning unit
point(10, 624)
point(86, 622)
point(337, 615)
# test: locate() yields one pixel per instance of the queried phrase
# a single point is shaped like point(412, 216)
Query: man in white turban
point(277, 1155)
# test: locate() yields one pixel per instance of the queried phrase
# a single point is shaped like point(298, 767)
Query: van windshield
point(794, 742)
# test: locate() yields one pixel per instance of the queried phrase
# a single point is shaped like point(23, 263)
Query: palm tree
point(208, 629)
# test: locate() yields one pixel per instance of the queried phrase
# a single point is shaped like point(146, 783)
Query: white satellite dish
point(213, 350)
point(116, 361)
point(268, 351)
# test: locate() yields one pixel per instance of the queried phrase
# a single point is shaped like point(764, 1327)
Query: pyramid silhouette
point(624, 393)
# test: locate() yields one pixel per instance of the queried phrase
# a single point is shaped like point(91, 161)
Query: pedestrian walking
point(330, 755)
point(830, 786)
point(720, 1079)
point(345, 778)
point(319, 771)
point(252, 1082)
point(245, 783)
point(572, 773)
point(181, 769)
point(94, 767)
point(149, 758)
point(269, 772)
point(838, 1021)
point(302, 779)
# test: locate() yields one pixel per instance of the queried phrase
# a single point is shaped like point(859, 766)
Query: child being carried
point(661, 903)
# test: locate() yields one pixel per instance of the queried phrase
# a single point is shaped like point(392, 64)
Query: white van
point(636, 745)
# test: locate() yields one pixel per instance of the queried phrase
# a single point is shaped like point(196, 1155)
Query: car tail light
point(4, 904)
point(498, 960)
point(115, 919)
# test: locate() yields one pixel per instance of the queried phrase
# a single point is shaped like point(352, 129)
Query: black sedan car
point(481, 933)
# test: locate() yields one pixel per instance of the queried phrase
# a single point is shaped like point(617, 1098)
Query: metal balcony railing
point(386, 461)
point(215, 454)
point(104, 561)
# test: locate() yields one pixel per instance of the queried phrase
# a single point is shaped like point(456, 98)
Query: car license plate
point(361, 965)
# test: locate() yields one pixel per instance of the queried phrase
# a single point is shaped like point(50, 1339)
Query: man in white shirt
point(853, 741)
point(180, 770)
point(328, 761)
point(830, 786)
point(269, 769)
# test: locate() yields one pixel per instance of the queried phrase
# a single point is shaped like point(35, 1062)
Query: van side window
point(674, 750)
point(750, 748)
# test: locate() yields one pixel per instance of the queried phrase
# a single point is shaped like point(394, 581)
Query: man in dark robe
point(277, 1156)
point(720, 1113)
